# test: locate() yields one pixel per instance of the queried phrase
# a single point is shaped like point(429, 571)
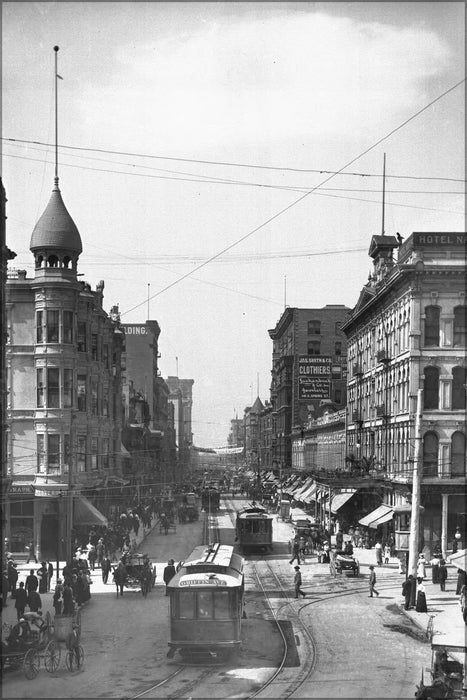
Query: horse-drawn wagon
point(139, 573)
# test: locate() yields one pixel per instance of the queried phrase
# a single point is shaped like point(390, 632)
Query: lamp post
point(414, 535)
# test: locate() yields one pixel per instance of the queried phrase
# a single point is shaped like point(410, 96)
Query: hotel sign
point(314, 377)
point(439, 239)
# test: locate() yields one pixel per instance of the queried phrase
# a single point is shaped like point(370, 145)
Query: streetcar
point(254, 528)
point(210, 499)
point(206, 604)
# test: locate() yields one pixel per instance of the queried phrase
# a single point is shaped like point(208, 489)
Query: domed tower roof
point(56, 229)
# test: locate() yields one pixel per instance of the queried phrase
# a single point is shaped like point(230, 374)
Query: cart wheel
point(75, 658)
point(31, 664)
point(52, 656)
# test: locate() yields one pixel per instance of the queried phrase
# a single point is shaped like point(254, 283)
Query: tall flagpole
point(56, 114)
point(384, 193)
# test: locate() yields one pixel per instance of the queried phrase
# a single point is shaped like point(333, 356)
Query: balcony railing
point(382, 356)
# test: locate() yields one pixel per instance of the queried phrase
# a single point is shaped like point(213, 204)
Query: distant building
point(64, 400)
point(309, 364)
point(181, 398)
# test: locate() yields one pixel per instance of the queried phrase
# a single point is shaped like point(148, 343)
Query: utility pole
point(414, 536)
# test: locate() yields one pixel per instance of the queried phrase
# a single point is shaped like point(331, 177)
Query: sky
point(224, 160)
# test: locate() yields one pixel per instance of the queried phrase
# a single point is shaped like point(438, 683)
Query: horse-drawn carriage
point(446, 672)
point(346, 562)
point(33, 638)
point(139, 572)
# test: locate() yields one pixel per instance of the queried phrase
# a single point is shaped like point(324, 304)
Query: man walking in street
point(169, 573)
point(106, 566)
point(372, 582)
point(32, 582)
point(21, 600)
point(442, 575)
point(295, 551)
point(298, 582)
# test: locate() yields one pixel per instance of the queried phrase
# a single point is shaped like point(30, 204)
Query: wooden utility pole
point(414, 536)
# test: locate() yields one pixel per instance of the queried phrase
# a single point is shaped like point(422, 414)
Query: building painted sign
point(314, 377)
point(134, 329)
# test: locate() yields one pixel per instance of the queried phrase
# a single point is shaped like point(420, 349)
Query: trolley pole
point(414, 536)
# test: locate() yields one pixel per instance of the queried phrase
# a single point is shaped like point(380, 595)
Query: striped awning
point(310, 493)
point(378, 516)
point(340, 499)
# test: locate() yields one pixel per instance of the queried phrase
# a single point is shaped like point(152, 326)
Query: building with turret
point(63, 355)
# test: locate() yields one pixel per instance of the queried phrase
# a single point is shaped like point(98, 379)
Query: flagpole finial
point(56, 48)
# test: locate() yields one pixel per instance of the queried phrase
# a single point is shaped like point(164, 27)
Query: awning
point(459, 559)
point(309, 493)
point(378, 516)
point(298, 493)
point(340, 499)
point(87, 514)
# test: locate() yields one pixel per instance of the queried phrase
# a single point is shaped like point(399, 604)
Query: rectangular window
point(53, 452)
point(94, 400)
point(66, 451)
point(41, 453)
point(53, 387)
point(94, 450)
point(40, 388)
point(337, 395)
point(81, 453)
point(39, 327)
point(187, 605)
point(221, 605)
point(53, 325)
point(105, 401)
point(105, 453)
point(94, 346)
point(105, 355)
point(337, 328)
point(338, 347)
point(82, 392)
point(68, 327)
point(205, 605)
point(314, 327)
point(82, 344)
point(67, 388)
point(314, 347)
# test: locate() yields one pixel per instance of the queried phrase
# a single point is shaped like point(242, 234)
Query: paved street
point(364, 647)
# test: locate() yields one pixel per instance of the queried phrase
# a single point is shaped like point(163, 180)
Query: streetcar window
point(204, 605)
point(187, 605)
point(221, 605)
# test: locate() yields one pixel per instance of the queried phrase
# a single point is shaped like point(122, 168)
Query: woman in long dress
point(421, 597)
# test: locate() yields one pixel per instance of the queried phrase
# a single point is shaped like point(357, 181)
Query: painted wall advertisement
point(314, 377)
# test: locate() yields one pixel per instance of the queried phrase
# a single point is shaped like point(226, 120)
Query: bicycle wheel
point(74, 658)
point(78, 622)
point(52, 656)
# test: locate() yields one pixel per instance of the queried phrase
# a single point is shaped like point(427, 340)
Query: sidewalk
point(9, 611)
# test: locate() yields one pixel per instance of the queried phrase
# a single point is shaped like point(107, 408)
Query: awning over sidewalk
point(378, 516)
point(340, 499)
point(459, 559)
point(309, 493)
point(87, 514)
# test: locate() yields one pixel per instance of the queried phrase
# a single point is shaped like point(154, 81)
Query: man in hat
point(298, 582)
point(169, 573)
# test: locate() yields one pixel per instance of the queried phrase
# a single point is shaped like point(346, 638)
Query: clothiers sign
point(314, 377)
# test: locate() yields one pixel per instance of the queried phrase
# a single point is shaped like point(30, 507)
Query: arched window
point(458, 459)
point(430, 388)
point(458, 388)
point(52, 261)
point(66, 261)
point(459, 326)
point(432, 326)
point(430, 454)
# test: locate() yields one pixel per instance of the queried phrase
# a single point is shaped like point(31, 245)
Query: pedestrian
point(43, 575)
point(298, 582)
point(21, 600)
point(106, 567)
point(50, 572)
point(92, 556)
point(169, 573)
point(379, 553)
point(435, 562)
point(58, 597)
point(34, 601)
point(12, 574)
point(387, 553)
point(32, 582)
point(339, 540)
point(68, 602)
point(407, 587)
point(372, 581)
point(100, 552)
point(295, 551)
point(421, 564)
point(119, 575)
point(5, 587)
point(442, 574)
point(421, 596)
point(461, 581)
point(31, 553)
point(326, 557)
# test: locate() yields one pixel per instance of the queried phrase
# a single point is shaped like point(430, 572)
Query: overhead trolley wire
point(300, 199)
